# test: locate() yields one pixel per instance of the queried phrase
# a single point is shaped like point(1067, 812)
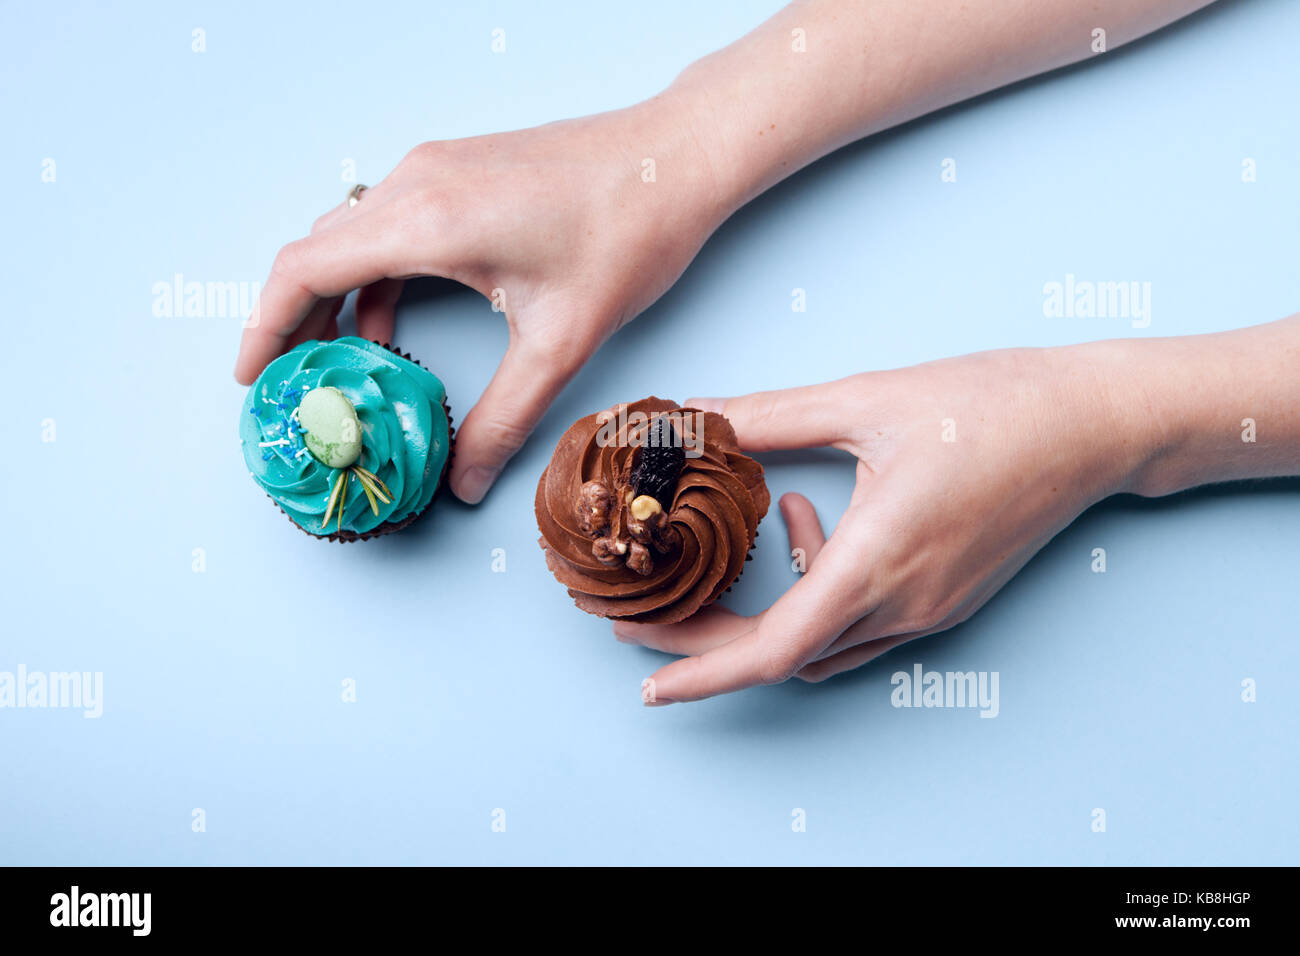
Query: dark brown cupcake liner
point(749, 556)
point(388, 527)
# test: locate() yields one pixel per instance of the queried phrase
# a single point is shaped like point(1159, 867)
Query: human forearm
point(573, 228)
point(1205, 408)
point(762, 109)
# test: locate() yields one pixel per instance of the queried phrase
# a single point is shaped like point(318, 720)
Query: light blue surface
point(480, 690)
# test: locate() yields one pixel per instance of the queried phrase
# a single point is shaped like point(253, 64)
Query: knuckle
point(567, 357)
point(865, 602)
point(778, 664)
point(504, 434)
point(421, 153)
point(761, 411)
point(930, 615)
point(955, 613)
point(289, 261)
point(563, 354)
point(814, 673)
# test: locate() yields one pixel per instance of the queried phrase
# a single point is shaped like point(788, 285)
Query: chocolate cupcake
point(349, 438)
point(648, 510)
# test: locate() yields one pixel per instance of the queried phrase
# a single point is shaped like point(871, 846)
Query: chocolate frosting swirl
point(711, 522)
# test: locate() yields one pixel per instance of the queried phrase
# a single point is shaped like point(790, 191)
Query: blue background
point(480, 690)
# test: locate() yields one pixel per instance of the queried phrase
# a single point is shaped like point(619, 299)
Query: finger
point(879, 626)
point(334, 216)
point(807, 417)
point(525, 384)
point(715, 626)
point(376, 310)
point(853, 657)
point(872, 630)
point(700, 632)
point(803, 527)
point(371, 195)
point(806, 619)
point(330, 263)
point(316, 325)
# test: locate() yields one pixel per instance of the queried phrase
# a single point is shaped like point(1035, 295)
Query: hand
point(966, 468)
point(555, 224)
point(560, 220)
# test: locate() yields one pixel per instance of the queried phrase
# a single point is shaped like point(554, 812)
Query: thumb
point(807, 417)
point(525, 384)
point(791, 633)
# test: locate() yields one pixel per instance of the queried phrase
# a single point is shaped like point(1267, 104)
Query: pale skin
point(966, 468)
point(559, 225)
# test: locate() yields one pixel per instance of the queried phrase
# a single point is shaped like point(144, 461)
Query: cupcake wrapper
point(388, 527)
point(749, 556)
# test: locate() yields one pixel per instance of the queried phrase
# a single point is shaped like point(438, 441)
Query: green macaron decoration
point(333, 437)
point(333, 429)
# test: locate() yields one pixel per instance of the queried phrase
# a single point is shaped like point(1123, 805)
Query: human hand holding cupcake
point(586, 241)
point(966, 467)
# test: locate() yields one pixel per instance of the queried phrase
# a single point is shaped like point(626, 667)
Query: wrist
point(1196, 409)
point(1130, 430)
point(690, 100)
point(1092, 440)
point(673, 149)
point(747, 134)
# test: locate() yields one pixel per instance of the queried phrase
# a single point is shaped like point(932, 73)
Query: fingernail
point(474, 484)
point(624, 632)
point(650, 698)
point(706, 404)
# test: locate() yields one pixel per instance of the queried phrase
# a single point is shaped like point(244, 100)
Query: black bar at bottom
point(301, 904)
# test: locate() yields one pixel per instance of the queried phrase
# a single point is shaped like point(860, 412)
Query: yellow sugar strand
point(344, 483)
point(369, 479)
point(378, 482)
point(374, 505)
point(334, 497)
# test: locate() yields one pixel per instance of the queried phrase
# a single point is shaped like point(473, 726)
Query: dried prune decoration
point(627, 516)
point(658, 462)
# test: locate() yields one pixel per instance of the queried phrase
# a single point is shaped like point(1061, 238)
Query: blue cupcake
point(349, 438)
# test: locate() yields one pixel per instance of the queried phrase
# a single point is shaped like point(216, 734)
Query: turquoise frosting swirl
point(405, 432)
